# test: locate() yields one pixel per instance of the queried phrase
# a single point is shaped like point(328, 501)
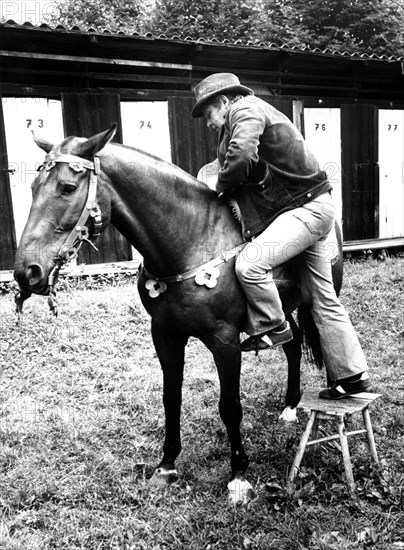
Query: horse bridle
point(80, 233)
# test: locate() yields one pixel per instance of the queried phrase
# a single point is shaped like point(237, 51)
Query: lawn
point(82, 427)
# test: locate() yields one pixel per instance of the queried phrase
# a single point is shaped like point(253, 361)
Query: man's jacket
point(266, 165)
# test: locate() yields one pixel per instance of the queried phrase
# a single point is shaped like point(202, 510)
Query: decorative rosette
point(207, 277)
point(155, 288)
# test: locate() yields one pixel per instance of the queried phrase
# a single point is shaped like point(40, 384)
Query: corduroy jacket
point(266, 165)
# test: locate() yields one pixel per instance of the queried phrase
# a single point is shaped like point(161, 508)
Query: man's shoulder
point(254, 108)
point(246, 107)
point(253, 102)
point(248, 101)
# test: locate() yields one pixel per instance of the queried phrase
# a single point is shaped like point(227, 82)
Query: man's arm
point(247, 124)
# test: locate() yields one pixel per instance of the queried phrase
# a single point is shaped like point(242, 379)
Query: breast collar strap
point(80, 233)
point(224, 257)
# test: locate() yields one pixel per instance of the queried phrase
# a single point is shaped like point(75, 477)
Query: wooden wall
point(7, 232)
point(193, 145)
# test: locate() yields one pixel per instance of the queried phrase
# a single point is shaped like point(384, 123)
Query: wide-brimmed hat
point(215, 84)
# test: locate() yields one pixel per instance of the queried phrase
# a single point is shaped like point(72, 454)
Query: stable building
point(65, 82)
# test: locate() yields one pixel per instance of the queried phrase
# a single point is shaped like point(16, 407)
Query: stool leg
point(300, 451)
point(314, 430)
point(369, 430)
point(345, 455)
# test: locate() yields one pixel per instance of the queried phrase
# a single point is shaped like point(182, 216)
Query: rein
point(79, 234)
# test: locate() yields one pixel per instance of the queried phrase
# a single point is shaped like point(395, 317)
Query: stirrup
point(269, 339)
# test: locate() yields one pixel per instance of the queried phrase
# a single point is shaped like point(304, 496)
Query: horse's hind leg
point(293, 352)
point(170, 348)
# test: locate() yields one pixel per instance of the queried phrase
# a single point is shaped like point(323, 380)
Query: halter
point(79, 234)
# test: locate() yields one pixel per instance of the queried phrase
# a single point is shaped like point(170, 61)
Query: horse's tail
point(311, 336)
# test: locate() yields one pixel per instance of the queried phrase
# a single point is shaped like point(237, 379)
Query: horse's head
point(66, 208)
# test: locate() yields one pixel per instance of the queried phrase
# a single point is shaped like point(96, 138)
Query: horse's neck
point(169, 217)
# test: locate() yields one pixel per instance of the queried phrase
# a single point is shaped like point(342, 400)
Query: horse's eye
point(68, 188)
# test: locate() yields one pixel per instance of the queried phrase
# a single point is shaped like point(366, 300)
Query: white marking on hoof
point(289, 414)
point(240, 491)
point(162, 477)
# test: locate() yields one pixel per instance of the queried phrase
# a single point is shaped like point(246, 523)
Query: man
point(287, 209)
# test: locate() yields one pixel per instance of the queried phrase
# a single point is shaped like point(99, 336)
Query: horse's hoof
point(162, 477)
point(240, 491)
point(289, 414)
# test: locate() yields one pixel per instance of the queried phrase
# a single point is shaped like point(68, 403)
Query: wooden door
point(85, 114)
point(391, 155)
point(323, 137)
point(21, 116)
point(360, 172)
point(192, 144)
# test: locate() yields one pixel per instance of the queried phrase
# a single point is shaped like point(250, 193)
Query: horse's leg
point(170, 348)
point(293, 352)
point(225, 347)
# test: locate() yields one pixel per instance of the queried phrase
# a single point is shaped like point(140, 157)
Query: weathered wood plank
point(373, 244)
point(85, 59)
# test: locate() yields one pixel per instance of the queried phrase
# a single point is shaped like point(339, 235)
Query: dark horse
point(178, 224)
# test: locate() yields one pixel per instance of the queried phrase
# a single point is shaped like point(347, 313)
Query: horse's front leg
point(225, 346)
point(170, 351)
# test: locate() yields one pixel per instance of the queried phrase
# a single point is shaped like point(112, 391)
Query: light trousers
point(302, 230)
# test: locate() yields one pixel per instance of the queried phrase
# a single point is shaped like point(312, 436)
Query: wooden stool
point(337, 411)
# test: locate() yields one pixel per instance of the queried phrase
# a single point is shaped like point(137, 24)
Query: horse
point(189, 240)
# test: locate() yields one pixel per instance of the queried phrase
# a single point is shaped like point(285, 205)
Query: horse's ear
point(42, 142)
point(94, 144)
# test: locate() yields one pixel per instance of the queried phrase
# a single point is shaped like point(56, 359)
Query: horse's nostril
point(34, 274)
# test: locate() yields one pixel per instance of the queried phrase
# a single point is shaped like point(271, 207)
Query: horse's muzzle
point(31, 278)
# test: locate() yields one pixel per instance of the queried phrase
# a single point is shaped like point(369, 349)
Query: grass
point(81, 429)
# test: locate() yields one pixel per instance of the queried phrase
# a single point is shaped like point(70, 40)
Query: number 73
point(39, 122)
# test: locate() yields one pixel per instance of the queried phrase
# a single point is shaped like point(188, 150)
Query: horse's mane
point(155, 157)
point(161, 163)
